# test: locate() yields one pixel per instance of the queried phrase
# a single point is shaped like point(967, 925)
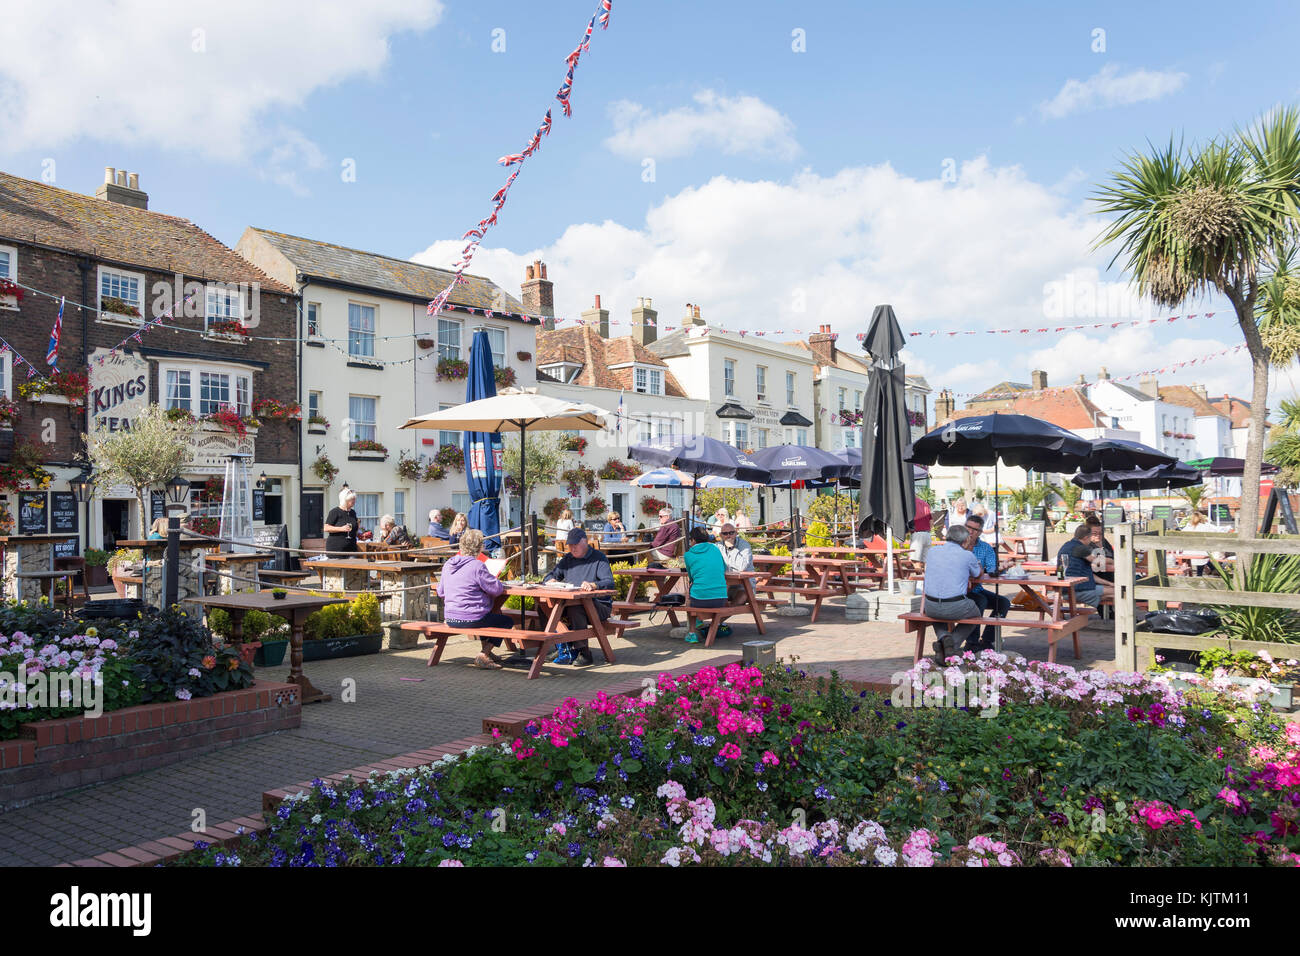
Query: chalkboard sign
point(272, 536)
point(1220, 514)
point(64, 512)
point(1162, 513)
point(1035, 535)
point(33, 513)
point(65, 549)
point(259, 504)
point(1288, 516)
point(157, 505)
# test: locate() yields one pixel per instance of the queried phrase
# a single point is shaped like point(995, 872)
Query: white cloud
point(789, 256)
point(1109, 87)
point(734, 125)
point(200, 76)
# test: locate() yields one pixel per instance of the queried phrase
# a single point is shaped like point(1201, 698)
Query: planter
point(234, 337)
point(96, 576)
point(270, 654)
point(352, 646)
point(53, 398)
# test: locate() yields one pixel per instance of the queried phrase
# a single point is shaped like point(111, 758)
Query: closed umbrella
point(515, 410)
point(482, 450)
point(887, 500)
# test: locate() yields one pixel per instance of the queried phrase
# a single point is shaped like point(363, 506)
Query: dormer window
point(566, 372)
point(649, 380)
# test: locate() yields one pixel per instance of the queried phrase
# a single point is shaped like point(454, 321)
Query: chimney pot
point(648, 304)
point(133, 180)
point(598, 300)
point(121, 177)
point(110, 175)
point(543, 270)
point(528, 272)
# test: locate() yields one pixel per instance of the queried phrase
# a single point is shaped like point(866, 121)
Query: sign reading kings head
point(119, 390)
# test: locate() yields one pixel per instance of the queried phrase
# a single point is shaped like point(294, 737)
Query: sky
point(783, 165)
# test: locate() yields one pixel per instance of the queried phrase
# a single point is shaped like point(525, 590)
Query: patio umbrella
point(1011, 439)
point(888, 496)
point(482, 450)
point(1115, 455)
point(673, 478)
point(1177, 475)
point(515, 410)
point(1228, 467)
point(790, 465)
point(699, 455)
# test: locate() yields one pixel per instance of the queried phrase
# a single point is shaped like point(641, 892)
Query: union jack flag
point(511, 158)
point(545, 128)
point(606, 6)
point(52, 354)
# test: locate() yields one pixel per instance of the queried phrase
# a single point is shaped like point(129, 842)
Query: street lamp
point(178, 490)
point(261, 481)
point(83, 486)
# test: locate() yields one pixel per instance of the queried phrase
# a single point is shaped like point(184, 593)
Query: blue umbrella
point(483, 455)
point(699, 455)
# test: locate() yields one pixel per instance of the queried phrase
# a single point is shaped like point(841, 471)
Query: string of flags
point(475, 234)
point(1164, 370)
point(1053, 329)
point(7, 349)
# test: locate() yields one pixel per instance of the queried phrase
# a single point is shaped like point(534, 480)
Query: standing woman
point(341, 524)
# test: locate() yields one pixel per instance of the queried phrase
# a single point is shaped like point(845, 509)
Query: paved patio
point(393, 716)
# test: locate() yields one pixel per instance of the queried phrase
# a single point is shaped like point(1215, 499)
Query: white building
point(1162, 425)
point(371, 357)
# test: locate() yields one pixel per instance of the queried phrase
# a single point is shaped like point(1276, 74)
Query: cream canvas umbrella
point(515, 410)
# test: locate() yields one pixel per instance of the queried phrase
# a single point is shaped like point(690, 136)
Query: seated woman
point(468, 591)
point(158, 530)
point(393, 534)
point(459, 525)
point(613, 530)
point(708, 572)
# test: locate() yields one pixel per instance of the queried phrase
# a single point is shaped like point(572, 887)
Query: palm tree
point(1284, 445)
point(1194, 495)
point(1220, 218)
point(1070, 495)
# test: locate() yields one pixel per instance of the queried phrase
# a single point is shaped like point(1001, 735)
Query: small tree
point(1284, 445)
point(733, 499)
point(152, 451)
point(544, 460)
point(1193, 495)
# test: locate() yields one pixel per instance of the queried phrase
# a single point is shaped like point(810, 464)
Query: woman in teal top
point(708, 571)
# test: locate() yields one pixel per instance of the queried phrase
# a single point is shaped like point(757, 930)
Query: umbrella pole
point(889, 559)
point(530, 547)
point(792, 541)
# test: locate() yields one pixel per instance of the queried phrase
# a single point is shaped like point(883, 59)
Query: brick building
point(120, 265)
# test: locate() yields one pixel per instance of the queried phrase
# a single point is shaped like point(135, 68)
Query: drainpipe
point(303, 282)
point(84, 266)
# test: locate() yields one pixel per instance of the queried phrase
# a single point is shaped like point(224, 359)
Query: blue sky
point(789, 188)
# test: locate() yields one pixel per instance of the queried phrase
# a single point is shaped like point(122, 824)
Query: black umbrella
point(792, 464)
point(1229, 467)
point(700, 455)
point(1177, 475)
point(1017, 440)
point(884, 338)
point(1117, 456)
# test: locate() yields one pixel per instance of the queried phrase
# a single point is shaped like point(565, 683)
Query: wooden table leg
point(310, 694)
point(597, 625)
point(752, 598)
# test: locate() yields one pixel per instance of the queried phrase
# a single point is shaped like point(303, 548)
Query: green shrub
point(819, 535)
point(359, 616)
point(623, 583)
point(364, 612)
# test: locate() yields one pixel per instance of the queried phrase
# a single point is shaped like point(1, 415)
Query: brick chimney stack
point(122, 188)
point(598, 317)
point(1102, 374)
point(1149, 385)
point(644, 322)
point(1038, 380)
point(944, 406)
point(539, 294)
point(822, 344)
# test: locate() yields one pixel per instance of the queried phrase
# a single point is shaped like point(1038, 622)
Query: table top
point(356, 564)
point(35, 538)
point(557, 594)
point(68, 572)
point(678, 572)
point(1035, 580)
point(236, 557)
point(186, 541)
point(263, 601)
point(846, 549)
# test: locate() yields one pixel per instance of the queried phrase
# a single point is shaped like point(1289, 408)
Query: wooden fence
point(1158, 589)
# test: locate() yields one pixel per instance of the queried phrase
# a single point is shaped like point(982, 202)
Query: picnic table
point(342, 574)
point(294, 608)
point(1055, 606)
point(812, 577)
point(553, 602)
point(1014, 545)
point(233, 564)
point(663, 580)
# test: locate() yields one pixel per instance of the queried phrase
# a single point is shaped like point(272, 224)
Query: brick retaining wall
point(54, 756)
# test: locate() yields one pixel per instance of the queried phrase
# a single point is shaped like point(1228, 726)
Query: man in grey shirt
point(950, 569)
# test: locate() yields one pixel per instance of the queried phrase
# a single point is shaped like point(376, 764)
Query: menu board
point(1220, 514)
point(1035, 535)
point(272, 536)
point(33, 512)
point(157, 505)
point(64, 513)
point(259, 504)
point(1288, 516)
point(1162, 513)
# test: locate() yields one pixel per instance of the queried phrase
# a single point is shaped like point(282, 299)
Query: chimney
point(695, 315)
point(1102, 374)
point(598, 317)
point(944, 406)
point(122, 188)
point(1038, 380)
point(1200, 391)
point(1083, 380)
point(539, 294)
point(644, 322)
point(1149, 386)
point(822, 344)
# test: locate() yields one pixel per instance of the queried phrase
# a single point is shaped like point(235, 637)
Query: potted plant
point(96, 567)
point(279, 594)
point(123, 563)
point(344, 630)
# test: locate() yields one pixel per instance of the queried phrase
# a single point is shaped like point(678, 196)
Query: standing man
point(588, 568)
point(949, 573)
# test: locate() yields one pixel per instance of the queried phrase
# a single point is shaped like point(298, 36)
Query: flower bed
point(1073, 768)
point(163, 657)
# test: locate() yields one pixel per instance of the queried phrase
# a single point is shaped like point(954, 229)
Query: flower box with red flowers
point(504, 377)
point(227, 331)
point(615, 470)
point(230, 420)
point(10, 294)
point(113, 309)
point(277, 411)
point(574, 443)
point(366, 450)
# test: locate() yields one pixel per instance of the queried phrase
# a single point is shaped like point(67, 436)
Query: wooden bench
point(720, 614)
point(281, 577)
point(542, 640)
point(918, 623)
point(815, 593)
point(614, 625)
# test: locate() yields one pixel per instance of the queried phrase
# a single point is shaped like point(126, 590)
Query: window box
point(367, 451)
point(52, 398)
point(359, 363)
point(109, 317)
point(216, 334)
point(313, 429)
point(314, 343)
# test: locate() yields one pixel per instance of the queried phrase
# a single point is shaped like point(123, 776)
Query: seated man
point(738, 556)
point(1076, 555)
point(588, 568)
point(436, 529)
point(950, 570)
point(986, 599)
point(667, 538)
point(1099, 541)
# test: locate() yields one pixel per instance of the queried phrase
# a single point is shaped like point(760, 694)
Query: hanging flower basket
point(408, 467)
point(504, 377)
point(616, 470)
point(270, 408)
point(652, 505)
point(452, 370)
point(574, 443)
point(595, 508)
point(324, 469)
point(450, 456)
point(524, 356)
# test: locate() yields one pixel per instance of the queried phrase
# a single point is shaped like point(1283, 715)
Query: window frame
point(117, 318)
point(459, 326)
point(9, 302)
point(233, 371)
point(760, 382)
point(312, 325)
point(790, 389)
point(373, 331)
point(367, 521)
point(729, 378)
point(353, 421)
point(505, 344)
point(7, 375)
point(228, 294)
point(460, 436)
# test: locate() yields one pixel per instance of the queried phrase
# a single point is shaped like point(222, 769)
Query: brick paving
point(391, 716)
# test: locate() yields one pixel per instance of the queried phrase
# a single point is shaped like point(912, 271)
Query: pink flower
point(730, 751)
point(770, 759)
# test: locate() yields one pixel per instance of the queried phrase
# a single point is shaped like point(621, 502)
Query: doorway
point(116, 515)
point(312, 519)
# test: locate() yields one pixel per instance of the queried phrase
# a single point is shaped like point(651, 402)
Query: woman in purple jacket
point(468, 591)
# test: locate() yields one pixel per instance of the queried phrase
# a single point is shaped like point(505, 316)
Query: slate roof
point(583, 346)
point(1237, 409)
point(1067, 407)
point(46, 215)
point(1185, 396)
point(372, 270)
